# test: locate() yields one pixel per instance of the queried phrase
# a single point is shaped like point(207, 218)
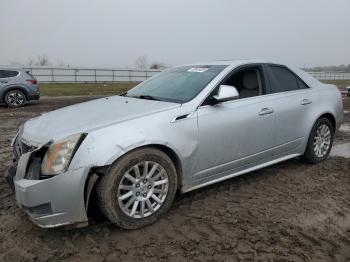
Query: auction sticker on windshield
point(197, 69)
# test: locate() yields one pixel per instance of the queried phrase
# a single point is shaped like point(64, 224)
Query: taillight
point(32, 81)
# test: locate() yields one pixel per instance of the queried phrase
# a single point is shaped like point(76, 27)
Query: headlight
point(59, 155)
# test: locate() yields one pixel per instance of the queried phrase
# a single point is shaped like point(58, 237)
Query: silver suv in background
point(17, 86)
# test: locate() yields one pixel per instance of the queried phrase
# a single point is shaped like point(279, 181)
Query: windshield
point(179, 85)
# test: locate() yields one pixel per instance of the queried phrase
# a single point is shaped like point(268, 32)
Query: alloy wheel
point(322, 140)
point(15, 98)
point(143, 189)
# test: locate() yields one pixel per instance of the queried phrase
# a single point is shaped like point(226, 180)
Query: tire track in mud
point(289, 212)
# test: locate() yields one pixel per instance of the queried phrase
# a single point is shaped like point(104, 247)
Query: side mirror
point(226, 93)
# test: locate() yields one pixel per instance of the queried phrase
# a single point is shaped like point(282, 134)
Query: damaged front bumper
point(53, 201)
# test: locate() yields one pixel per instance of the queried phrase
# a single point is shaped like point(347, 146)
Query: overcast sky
point(114, 33)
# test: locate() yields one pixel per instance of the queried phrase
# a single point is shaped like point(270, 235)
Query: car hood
point(88, 116)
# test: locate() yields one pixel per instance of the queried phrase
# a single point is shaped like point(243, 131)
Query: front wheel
point(320, 141)
point(138, 189)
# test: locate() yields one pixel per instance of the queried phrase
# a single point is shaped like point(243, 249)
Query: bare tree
point(157, 65)
point(31, 61)
point(42, 60)
point(60, 63)
point(141, 62)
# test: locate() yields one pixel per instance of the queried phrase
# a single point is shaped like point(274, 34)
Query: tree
point(31, 61)
point(42, 60)
point(159, 66)
point(141, 62)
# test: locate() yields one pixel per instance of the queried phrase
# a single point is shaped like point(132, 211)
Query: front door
point(233, 136)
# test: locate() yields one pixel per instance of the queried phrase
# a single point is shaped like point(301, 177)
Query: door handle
point(306, 102)
point(266, 111)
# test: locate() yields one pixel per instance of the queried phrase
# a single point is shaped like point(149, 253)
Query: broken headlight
point(60, 154)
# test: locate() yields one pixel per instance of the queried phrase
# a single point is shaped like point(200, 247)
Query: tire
point(112, 196)
point(311, 154)
point(15, 98)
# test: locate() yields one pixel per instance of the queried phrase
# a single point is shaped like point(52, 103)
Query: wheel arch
point(330, 117)
point(14, 87)
point(101, 170)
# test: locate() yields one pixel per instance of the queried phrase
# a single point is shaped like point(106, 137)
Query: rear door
point(292, 103)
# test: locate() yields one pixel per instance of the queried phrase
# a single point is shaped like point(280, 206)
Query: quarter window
point(302, 85)
point(282, 80)
point(8, 73)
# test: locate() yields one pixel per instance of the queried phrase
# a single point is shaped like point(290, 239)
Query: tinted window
point(302, 85)
point(282, 80)
point(8, 73)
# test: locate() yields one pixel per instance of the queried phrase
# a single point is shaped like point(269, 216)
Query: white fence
point(331, 75)
point(81, 75)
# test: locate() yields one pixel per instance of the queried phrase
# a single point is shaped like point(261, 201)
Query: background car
point(348, 91)
point(17, 87)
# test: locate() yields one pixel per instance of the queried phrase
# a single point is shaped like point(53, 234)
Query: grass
point(338, 83)
point(107, 89)
point(84, 89)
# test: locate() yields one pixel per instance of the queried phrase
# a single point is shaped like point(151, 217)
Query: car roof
point(232, 62)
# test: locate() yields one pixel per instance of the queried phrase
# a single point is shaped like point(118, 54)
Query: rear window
point(8, 73)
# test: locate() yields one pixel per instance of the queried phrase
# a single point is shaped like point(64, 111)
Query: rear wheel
point(320, 141)
point(15, 98)
point(138, 189)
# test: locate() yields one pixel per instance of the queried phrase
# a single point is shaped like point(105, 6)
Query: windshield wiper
point(149, 97)
point(145, 97)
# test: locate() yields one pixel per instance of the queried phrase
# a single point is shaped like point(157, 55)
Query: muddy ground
point(288, 212)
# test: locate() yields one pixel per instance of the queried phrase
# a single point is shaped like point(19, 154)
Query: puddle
point(342, 150)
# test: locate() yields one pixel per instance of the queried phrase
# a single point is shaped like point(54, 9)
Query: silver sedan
point(183, 129)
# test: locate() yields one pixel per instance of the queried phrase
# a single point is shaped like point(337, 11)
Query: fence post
point(95, 76)
point(52, 75)
point(75, 75)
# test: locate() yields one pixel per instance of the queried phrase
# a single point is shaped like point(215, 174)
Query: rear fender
point(14, 87)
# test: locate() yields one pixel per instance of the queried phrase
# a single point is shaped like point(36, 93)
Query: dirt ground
point(288, 212)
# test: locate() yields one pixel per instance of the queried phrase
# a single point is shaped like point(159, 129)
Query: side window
point(8, 73)
point(249, 82)
point(282, 80)
point(302, 85)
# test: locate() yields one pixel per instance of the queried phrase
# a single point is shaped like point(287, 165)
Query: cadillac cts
point(183, 129)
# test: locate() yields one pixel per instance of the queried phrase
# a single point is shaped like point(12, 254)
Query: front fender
point(103, 147)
